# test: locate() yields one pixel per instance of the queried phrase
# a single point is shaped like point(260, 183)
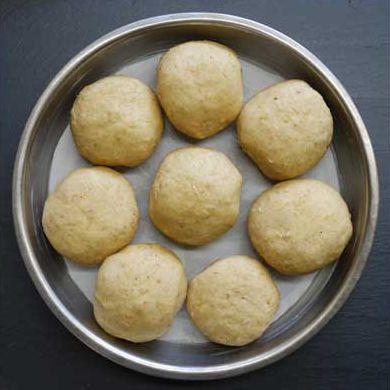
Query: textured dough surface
point(116, 121)
point(91, 214)
point(195, 196)
point(285, 129)
point(233, 300)
point(138, 292)
point(200, 87)
point(299, 225)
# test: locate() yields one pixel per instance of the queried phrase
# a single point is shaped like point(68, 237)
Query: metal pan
point(46, 153)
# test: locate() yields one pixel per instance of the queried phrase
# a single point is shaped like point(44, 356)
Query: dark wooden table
point(38, 37)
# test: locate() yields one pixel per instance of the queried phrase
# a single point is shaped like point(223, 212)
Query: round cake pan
point(259, 47)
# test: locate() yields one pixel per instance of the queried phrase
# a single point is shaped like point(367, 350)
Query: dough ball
point(200, 87)
point(138, 292)
point(195, 196)
point(92, 214)
point(299, 226)
point(116, 121)
point(285, 129)
point(233, 301)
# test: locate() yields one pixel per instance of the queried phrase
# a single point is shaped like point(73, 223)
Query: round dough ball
point(195, 196)
point(116, 121)
point(200, 87)
point(299, 226)
point(233, 300)
point(138, 292)
point(91, 214)
point(285, 129)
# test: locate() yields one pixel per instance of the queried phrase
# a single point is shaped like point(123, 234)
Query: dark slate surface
point(38, 37)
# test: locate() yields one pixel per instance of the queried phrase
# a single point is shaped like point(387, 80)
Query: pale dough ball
point(116, 121)
point(195, 196)
point(200, 87)
point(91, 214)
point(285, 129)
point(233, 300)
point(299, 226)
point(138, 292)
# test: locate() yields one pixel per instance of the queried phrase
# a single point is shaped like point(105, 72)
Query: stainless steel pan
point(45, 147)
